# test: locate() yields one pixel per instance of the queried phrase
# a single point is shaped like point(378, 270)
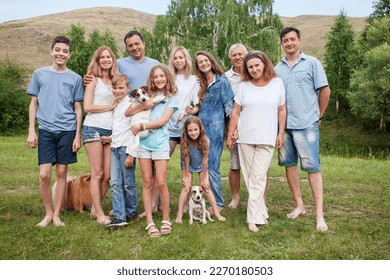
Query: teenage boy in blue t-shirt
point(56, 96)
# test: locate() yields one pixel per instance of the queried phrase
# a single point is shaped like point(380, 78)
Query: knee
point(161, 184)
point(106, 178)
point(147, 183)
point(98, 176)
point(61, 174)
point(44, 176)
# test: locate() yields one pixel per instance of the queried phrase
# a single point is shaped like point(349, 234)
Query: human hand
point(32, 140)
point(114, 104)
point(230, 142)
point(279, 141)
point(135, 129)
point(235, 135)
point(76, 145)
point(148, 104)
point(129, 161)
point(87, 79)
point(181, 116)
point(105, 139)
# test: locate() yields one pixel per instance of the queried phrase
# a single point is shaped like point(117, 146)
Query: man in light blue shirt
point(307, 96)
point(136, 66)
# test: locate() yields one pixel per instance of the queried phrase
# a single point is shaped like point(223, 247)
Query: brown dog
point(77, 195)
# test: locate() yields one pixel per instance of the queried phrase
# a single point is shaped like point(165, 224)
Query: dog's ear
point(201, 188)
point(85, 177)
point(134, 92)
point(145, 88)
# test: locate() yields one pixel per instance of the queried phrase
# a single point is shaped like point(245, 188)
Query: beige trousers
point(255, 161)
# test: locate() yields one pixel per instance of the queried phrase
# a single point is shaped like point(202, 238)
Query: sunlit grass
point(357, 208)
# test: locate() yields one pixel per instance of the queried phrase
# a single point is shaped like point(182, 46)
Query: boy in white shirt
point(124, 191)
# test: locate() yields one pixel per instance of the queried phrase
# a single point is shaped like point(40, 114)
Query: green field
point(357, 209)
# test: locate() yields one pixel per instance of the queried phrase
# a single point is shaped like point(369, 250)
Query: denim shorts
point(143, 153)
point(302, 143)
point(56, 147)
point(234, 158)
point(92, 134)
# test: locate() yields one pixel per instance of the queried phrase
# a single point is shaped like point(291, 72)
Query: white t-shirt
point(121, 125)
point(102, 96)
point(258, 121)
point(234, 78)
point(187, 93)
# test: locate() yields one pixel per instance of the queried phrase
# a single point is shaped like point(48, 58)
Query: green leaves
point(83, 50)
point(14, 101)
point(216, 25)
point(338, 50)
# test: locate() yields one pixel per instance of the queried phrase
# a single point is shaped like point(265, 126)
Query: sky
point(22, 9)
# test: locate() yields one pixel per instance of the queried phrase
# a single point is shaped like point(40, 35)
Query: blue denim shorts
point(92, 134)
point(56, 147)
point(302, 143)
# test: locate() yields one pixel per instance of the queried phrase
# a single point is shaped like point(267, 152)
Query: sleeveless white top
point(102, 96)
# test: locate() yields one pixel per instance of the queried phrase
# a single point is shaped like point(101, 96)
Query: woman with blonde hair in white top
point(99, 103)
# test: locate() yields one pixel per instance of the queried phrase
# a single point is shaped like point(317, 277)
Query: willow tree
point(214, 25)
point(337, 58)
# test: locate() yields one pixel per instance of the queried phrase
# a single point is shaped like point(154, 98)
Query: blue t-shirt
point(158, 140)
point(56, 92)
point(136, 71)
point(302, 82)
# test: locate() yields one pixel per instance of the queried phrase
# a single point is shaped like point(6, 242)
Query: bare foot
point(252, 227)
point(92, 214)
point(104, 220)
point(296, 213)
point(179, 219)
point(321, 225)
point(57, 222)
point(45, 221)
point(234, 204)
point(211, 211)
point(220, 217)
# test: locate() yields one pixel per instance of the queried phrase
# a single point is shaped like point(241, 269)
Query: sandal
point(166, 227)
point(154, 233)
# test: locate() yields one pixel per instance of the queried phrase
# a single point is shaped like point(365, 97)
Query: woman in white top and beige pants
point(259, 114)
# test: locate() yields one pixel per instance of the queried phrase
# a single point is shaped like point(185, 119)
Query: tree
point(83, 50)
point(14, 101)
point(364, 44)
point(370, 91)
point(337, 60)
point(215, 25)
point(381, 9)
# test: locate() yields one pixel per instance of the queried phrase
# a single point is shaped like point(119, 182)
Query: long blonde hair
point(94, 67)
point(170, 87)
point(188, 67)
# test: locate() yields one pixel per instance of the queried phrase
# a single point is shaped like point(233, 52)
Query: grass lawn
point(357, 209)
